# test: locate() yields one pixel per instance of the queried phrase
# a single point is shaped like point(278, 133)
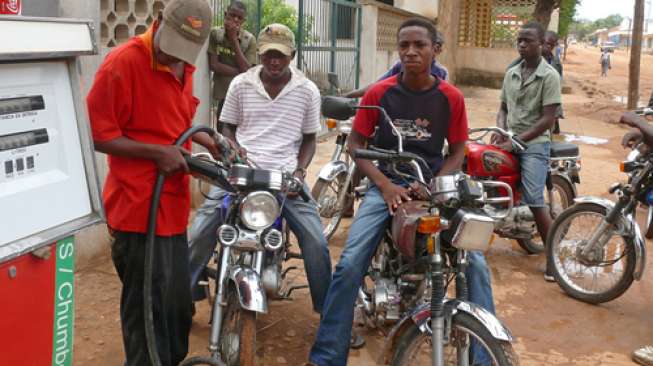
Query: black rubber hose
point(149, 251)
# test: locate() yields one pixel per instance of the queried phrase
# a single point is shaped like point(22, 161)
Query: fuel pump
point(49, 186)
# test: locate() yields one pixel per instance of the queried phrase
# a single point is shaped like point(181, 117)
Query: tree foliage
point(277, 11)
point(567, 13)
point(583, 28)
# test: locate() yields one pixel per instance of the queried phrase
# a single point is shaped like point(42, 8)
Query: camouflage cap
point(276, 37)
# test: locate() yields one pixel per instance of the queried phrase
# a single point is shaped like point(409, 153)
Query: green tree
point(273, 11)
point(567, 13)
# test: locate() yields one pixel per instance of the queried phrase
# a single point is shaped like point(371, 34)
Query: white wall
point(425, 8)
point(491, 60)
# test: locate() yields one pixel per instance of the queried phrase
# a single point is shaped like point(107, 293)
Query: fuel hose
point(149, 250)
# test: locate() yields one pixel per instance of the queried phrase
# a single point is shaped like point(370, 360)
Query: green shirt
point(220, 45)
point(526, 101)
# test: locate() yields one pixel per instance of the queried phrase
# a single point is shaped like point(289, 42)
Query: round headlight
point(259, 210)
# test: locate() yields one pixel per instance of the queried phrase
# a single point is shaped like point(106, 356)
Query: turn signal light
point(428, 225)
point(331, 123)
point(622, 167)
point(430, 245)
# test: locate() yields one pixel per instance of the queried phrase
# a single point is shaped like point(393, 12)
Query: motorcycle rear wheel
point(414, 346)
point(582, 281)
point(326, 194)
point(563, 194)
point(238, 333)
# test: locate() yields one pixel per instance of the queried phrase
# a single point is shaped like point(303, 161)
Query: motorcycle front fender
point(250, 289)
point(332, 169)
point(629, 225)
point(421, 315)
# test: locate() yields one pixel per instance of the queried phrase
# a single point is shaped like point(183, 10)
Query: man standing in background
point(232, 51)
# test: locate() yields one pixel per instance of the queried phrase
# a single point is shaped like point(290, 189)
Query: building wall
point(425, 8)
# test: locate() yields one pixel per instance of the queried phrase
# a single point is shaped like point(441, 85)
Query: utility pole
point(635, 55)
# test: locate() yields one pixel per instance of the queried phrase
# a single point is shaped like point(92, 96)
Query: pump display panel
point(43, 178)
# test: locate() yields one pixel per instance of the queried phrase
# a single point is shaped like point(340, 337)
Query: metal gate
point(254, 10)
point(328, 41)
point(327, 31)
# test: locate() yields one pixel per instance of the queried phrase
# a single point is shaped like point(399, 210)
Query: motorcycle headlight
point(259, 210)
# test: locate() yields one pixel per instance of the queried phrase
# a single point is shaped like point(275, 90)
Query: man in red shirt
point(140, 103)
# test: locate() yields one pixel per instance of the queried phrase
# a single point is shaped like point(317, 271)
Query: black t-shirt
point(425, 119)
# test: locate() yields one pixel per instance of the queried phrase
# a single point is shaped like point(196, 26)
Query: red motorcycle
point(487, 162)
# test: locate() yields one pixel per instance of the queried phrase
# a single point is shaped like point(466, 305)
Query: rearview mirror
point(338, 108)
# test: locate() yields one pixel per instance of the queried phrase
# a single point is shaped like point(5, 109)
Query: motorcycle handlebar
point(372, 155)
point(203, 167)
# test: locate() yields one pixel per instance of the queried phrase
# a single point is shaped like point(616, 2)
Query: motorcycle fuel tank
point(404, 226)
point(490, 161)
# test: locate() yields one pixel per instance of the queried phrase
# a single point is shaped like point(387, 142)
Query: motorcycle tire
point(412, 340)
point(534, 245)
point(238, 325)
point(330, 225)
point(559, 229)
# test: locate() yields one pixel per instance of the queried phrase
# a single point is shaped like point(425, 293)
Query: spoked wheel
point(563, 197)
point(414, 346)
point(238, 334)
point(326, 195)
point(600, 276)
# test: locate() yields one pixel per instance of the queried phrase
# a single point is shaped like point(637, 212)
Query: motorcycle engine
point(387, 300)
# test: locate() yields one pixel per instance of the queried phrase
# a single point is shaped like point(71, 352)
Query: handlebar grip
point(371, 155)
point(196, 165)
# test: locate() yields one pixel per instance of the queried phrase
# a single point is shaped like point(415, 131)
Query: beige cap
point(276, 37)
point(186, 26)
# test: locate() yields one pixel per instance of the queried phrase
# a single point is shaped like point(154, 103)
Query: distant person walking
point(605, 63)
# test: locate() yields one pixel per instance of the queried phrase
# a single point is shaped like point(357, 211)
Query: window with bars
point(493, 23)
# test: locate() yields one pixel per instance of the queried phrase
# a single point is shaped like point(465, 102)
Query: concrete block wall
point(123, 19)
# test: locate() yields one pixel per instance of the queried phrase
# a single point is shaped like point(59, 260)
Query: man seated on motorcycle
point(437, 69)
point(530, 97)
point(271, 114)
point(426, 102)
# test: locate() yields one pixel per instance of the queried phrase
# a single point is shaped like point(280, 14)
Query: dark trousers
point(171, 302)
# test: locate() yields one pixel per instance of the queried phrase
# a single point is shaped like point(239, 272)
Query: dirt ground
point(550, 327)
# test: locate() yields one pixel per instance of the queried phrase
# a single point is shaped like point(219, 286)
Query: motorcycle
point(486, 161)
point(250, 255)
point(336, 185)
point(424, 249)
point(334, 188)
point(596, 246)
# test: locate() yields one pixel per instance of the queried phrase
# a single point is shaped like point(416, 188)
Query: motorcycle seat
point(564, 150)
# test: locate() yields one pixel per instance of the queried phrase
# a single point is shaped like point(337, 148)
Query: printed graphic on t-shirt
point(413, 130)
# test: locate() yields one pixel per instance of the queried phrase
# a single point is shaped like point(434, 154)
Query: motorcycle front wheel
point(238, 334)
point(601, 278)
point(414, 346)
point(326, 195)
point(563, 197)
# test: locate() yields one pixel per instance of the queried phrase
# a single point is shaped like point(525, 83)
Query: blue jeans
point(303, 220)
point(331, 346)
point(534, 165)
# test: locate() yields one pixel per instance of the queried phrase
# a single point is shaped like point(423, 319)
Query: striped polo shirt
point(271, 129)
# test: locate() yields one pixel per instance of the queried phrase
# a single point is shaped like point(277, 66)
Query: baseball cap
point(185, 27)
point(276, 37)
